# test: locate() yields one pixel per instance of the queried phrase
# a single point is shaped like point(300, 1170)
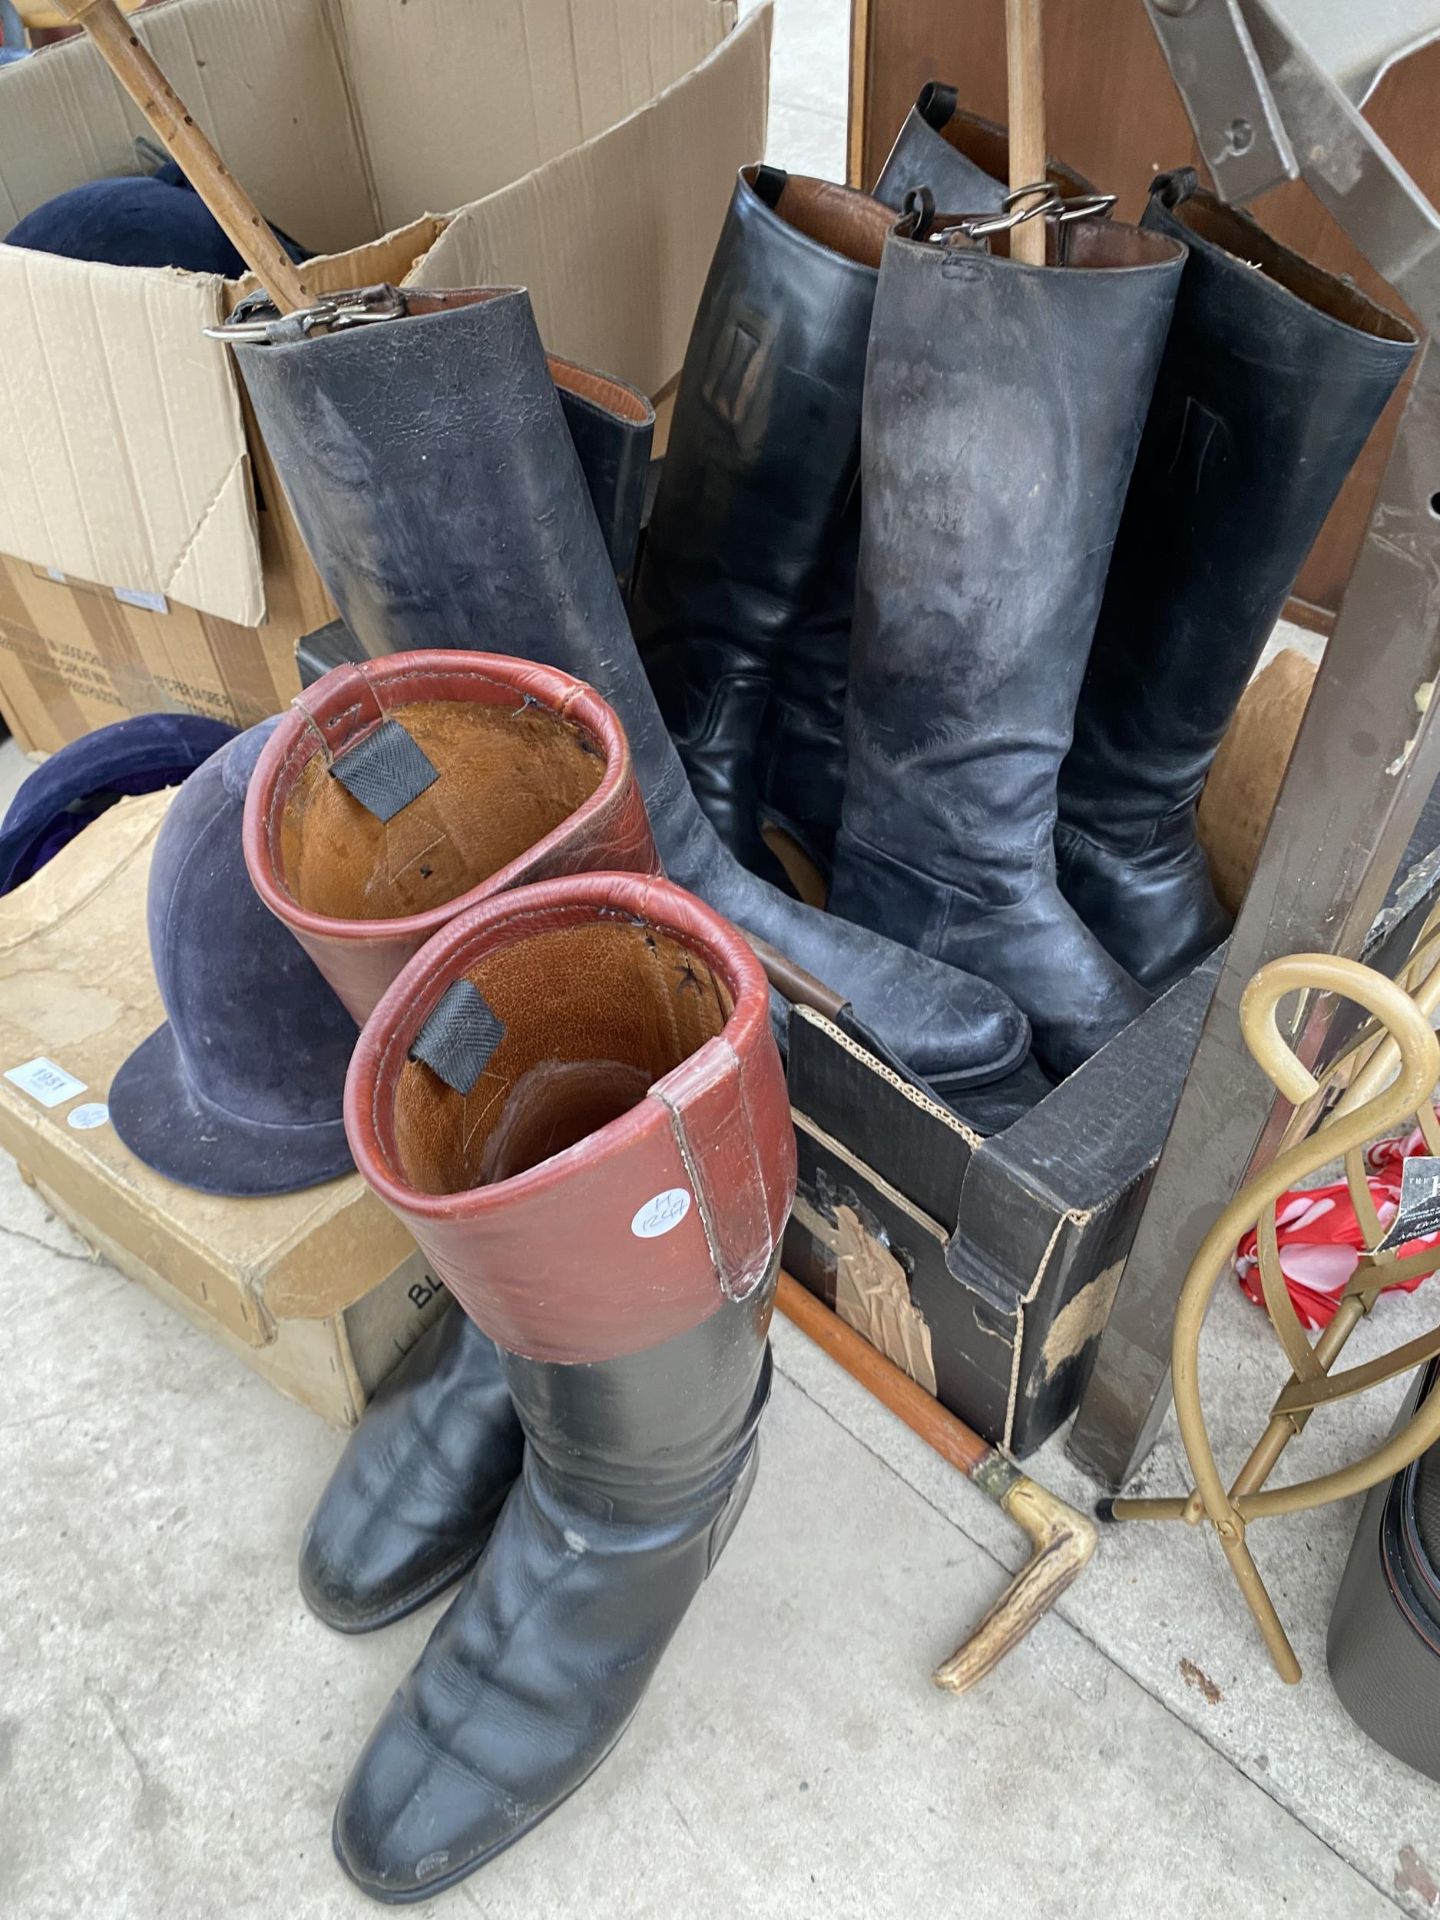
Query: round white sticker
point(659, 1215)
point(94, 1113)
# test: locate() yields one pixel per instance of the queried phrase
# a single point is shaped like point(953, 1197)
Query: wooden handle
point(1025, 66)
point(132, 65)
point(800, 988)
point(920, 1411)
point(1063, 1542)
point(1062, 1539)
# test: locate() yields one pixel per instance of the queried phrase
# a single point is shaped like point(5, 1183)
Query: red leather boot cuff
point(398, 792)
point(601, 1155)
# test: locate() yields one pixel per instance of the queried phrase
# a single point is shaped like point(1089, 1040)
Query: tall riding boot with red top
point(573, 1099)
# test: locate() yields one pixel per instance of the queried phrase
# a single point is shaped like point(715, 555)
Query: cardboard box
point(149, 558)
point(981, 1249)
point(321, 1291)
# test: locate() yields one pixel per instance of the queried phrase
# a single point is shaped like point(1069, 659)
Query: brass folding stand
point(1386, 1077)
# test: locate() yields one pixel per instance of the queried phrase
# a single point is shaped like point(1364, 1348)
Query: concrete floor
point(174, 1727)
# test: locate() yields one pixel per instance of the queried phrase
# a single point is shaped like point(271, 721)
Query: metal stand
point(1271, 86)
point(1387, 1078)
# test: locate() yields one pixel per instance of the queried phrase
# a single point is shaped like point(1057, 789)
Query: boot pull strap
point(459, 1037)
point(385, 768)
point(1171, 189)
point(769, 183)
point(936, 104)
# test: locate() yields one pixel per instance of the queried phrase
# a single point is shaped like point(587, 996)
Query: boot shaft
point(398, 792)
point(1004, 405)
point(573, 1099)
point(655, 1435)
point(963, 159)
point(1273, 375)
point(742, 608)
point(764, 445)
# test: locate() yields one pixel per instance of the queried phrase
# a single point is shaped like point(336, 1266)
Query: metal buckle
point(334, 314)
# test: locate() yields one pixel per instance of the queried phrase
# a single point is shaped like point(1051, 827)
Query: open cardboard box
point(981, 1249)
point(147, 556)
point(321, 1291)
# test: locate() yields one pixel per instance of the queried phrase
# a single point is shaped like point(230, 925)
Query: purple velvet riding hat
point(240, 1091)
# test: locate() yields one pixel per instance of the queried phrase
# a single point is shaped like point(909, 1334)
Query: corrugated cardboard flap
point(473, 94)
point(122, 447)
point(614, 239)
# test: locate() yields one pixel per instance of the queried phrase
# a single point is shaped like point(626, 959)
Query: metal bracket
point(1368, 752)
point(1237, 127)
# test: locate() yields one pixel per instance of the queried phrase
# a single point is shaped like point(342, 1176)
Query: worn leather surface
point(1273, 375)
point(419, 1485)
point(1383, 1646)
point(535, 779)
point(437, 489)
point(962, 158)
point(636, 1472)
point(743, 600)
point(1003, 407)
point(669, 1008)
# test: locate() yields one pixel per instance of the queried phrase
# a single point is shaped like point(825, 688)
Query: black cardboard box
point(985, 1262)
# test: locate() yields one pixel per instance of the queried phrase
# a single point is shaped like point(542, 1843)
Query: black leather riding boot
point(419, 1485)
point(1273, 375)
point(478, 532)
point(611, 1212)
point(963, 159)
point(1003, 407)
point(743, 600)
point(636, 1470)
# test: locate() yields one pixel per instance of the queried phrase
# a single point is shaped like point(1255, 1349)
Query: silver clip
point(334, 314)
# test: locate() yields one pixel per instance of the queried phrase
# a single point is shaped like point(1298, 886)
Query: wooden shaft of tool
point(133, 66)
point(800, 988)
point(920, 1411)
point(1025, 68)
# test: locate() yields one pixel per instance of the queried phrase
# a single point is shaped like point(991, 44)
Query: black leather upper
point(429, 468)
point(743, 602)
point(1003, 407)
point(636, 1471)
point(419, 1485)
point(614, 454)
point(1273, 375)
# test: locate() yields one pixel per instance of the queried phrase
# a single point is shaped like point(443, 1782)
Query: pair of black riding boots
point(958, 567)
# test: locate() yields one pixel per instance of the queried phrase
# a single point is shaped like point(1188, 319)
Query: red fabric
point(1320, 1239)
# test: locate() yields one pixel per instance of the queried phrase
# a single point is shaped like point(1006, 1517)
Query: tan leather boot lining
point(594, 1015)
point(1227, 227)
point(839, 218)
point(613, 395)
point(988, 146)
point(508, 776)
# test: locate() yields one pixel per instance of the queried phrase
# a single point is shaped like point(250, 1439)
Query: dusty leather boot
point(611, 1214)
point(397, 792)
point(995, 463)
point(963, 159)
point(744, 594)
point(390, 797)
point(479, 531)
point(1273, 375)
